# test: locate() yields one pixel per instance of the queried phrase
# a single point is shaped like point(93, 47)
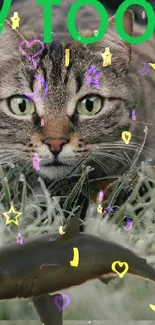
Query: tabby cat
point(81, 122)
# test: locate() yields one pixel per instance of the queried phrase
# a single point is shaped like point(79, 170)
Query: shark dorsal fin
point(72, 229)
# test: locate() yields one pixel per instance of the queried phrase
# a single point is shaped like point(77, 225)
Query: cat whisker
point(144, 123)
point(115, 156)
point(13, 157)
point(111, 147)
point(10, 160)
point(122, 160)
point(139, 137)
point(5, 150)
point(6, 155)
point(120, 145)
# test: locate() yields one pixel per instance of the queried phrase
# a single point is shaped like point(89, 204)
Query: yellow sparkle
point(106, 57)
point(15, 20)
point(99, 208)
point(6, 214)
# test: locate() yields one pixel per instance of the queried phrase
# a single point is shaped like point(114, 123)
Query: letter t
point(48, 17)
point(4, 12)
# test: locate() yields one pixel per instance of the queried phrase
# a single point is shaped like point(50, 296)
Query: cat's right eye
point(90, 105)
point(20, 105)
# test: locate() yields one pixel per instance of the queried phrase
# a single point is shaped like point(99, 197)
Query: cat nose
point(55, 144)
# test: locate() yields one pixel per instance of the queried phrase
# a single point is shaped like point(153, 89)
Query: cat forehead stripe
point(57, 55)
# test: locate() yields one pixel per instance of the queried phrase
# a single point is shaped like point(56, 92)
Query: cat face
point(80, 121)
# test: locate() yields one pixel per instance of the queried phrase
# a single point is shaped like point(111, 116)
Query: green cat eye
point(21, 106)
point(89, 106)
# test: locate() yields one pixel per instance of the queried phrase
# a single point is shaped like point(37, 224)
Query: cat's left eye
point(90, 105)
point(21, 106)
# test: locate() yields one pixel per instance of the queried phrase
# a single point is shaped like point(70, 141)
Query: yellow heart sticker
point(126, 136)
point(152, 307)
point(120, 264)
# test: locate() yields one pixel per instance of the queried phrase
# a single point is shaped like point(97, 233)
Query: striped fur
point(99, 137)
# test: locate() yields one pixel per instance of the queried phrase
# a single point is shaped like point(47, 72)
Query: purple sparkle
point(94, 80)
point(92, 69)
point(19, 238)
point(108, 209)
point(101, 195)
point(36, 162)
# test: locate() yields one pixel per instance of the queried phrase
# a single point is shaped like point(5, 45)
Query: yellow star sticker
point(99, 208)
point(15, 20)
point(6, 214)
point(106, 57)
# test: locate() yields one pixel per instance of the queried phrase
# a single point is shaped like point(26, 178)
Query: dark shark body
point(42, 265)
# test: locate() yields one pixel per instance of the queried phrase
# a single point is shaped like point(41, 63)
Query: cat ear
point(15, 35)
point(112, 40)
point(9, 41)
point(8, 35)
point(128, 27)
point(128, 22)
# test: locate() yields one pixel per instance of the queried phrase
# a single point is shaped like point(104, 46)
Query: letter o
point(119, 22)
point(72, 24)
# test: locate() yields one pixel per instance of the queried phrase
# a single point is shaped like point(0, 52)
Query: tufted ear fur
point(112, 40)
point(120, 50)
point(128, 23)
point(9, 41)
point(128, 27)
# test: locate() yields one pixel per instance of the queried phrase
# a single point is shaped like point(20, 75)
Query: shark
point(42, 266)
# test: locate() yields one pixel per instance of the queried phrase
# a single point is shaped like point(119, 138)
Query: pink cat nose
point(55, 144)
